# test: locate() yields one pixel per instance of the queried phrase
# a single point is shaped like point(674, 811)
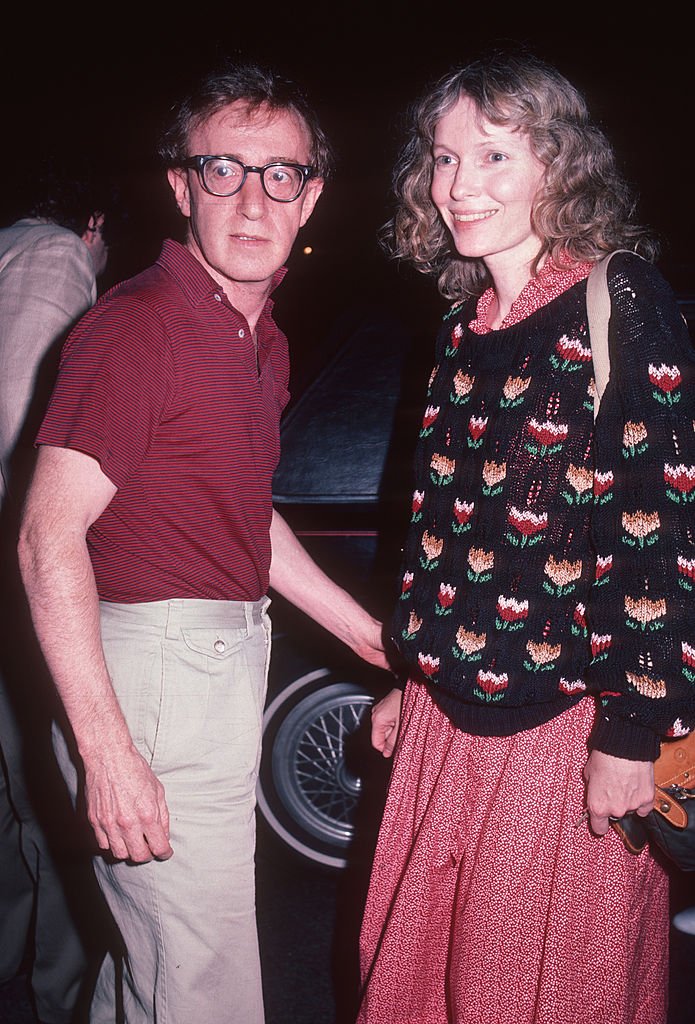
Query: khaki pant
point(190, 676)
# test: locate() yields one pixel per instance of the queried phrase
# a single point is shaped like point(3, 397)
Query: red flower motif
point(604, 564)
point(580, 615)
point(666, 378)
point(602, 482)
point(463, 510)
point(570, 687)
point(681, 477)
point(446, 595)
point(431, 413)
point(407, 582)
point(526, 522)
point(600, 644)
point(511, 610)
point(548, 433)
point(491, 682)
point(428, 664)
point(686, 567)
point(477, 426)
point(572, 350)
point(688, 654)
point(418, 498)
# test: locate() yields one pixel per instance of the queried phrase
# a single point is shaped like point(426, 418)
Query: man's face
point(241, 240)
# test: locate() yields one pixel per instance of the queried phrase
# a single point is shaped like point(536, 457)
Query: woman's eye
point(443, 160)
point(496, 158)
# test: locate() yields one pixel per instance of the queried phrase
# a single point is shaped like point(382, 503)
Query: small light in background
point(307, 250)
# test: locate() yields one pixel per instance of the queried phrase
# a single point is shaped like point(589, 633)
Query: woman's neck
point(510, 275)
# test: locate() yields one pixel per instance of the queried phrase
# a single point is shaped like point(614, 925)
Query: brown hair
point(251, 84)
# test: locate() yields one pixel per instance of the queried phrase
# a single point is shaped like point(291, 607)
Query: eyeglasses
point(225, 176)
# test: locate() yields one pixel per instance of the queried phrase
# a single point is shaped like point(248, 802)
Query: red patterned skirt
point(488, 903)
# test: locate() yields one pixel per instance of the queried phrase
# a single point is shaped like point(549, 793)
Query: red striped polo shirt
point(161, 384)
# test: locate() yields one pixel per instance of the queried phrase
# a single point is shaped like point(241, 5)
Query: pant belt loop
point(174, 616)
point(248, 612)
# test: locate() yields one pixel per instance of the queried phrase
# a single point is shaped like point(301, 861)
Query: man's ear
point(92, 232)
point(310, 198)
point(178, 179)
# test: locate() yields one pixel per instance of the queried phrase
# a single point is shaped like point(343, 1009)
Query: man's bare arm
point(125, 801)
point(296, 576)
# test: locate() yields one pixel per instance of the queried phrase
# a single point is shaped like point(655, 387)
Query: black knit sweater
point(546, 559)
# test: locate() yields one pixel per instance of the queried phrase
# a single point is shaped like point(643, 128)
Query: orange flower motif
point(634, 434)
point(514, 387)
point(443, 466)
point(647, 685)
point(481, 561)
point(463, 384)
point(494, 472)
point(580, 478)
point(470, 642)
point(432, 546)
point(563, 573)
point(642, 610)
point(543, 653)
point(641, 525)
point(414, 624)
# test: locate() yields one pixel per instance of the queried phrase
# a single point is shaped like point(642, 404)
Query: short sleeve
point(115, 376)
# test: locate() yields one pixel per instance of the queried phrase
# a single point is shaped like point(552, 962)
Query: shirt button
point(242, 333)
point(218, 297)
point(220, 646)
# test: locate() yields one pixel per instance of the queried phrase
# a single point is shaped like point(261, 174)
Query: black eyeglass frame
point(198, 163)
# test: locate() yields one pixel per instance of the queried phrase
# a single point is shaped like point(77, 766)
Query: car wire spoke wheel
point(310, 781)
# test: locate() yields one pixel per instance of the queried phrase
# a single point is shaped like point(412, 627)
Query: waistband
point(191, 613)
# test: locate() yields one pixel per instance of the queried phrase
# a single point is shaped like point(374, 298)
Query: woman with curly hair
point(546, 615)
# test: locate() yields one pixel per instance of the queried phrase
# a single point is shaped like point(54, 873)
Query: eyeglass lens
point(224, 177)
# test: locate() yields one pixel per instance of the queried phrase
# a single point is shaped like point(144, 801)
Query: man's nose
point(251, 199)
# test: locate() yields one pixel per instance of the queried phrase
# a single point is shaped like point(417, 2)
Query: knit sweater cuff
point(625, 739)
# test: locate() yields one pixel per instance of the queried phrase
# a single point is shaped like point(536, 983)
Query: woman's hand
point(615, 787)
point(386, 716)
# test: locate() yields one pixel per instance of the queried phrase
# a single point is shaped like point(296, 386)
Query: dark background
point(102, 80)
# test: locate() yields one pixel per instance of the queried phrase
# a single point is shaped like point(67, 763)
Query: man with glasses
point(146, 552)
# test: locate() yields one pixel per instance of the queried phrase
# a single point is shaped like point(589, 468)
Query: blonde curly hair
point(585, 208)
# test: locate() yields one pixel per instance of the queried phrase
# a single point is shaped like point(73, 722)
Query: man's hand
point(615, 787)
point(369, 644)
point(386, 717)
point(126, 808)
point(299, 579)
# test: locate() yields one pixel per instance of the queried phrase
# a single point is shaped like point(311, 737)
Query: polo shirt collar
point(192, 277)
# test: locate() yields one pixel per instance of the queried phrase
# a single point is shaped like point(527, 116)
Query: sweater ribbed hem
point(622, 738)
point(496, 721)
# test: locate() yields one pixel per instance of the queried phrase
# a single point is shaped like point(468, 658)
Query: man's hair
point(584, 208)
point(253, 85)
point(68, 194)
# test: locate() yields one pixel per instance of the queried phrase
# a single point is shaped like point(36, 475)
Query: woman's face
point(484, 182)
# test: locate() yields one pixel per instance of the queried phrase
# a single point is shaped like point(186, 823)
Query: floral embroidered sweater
point(547, 558)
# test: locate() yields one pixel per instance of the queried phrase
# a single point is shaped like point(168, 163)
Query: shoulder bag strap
point(598, 312)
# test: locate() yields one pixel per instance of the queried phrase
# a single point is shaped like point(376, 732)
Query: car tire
point(309, 784)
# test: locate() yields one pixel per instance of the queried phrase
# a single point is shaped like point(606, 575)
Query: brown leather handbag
point(671, 825)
